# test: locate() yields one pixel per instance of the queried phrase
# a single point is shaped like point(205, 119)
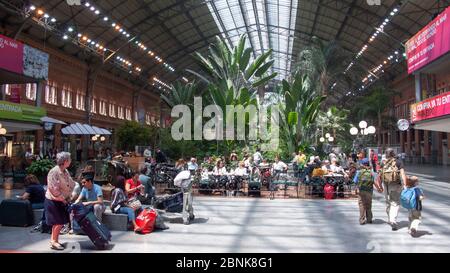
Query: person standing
point(393, 177)
point(59, 191)
point(257, 157)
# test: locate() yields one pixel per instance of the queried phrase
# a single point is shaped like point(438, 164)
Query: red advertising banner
point(11, 55)
point(15, 93)
point(431, 108)
point(430, 43)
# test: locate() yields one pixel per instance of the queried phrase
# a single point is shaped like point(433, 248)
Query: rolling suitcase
point(97, 232)
point(16, 213)
point(173, 203)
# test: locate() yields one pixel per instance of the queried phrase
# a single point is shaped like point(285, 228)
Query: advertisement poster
point(431, 108)
point(11, 55)
point(15, 93)
point(430, 43)
point(23, 59)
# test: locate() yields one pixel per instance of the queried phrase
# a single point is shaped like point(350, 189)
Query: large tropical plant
point(300, 105)
point(333, 119)
point(180, 94)
point(325, 63)
point(375, 106)
point(230, 71)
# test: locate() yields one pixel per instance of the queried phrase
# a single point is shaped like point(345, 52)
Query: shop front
point(19, 125)
point(428, 54)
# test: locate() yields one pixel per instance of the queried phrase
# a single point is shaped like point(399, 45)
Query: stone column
point(417, 146)
point(426, 146)
point(402, 141)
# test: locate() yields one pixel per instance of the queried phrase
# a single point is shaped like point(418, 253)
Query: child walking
point(415, 211)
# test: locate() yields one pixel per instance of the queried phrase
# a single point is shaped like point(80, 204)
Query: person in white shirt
point(326, 166)
point(279, 166)
point(220, 169)
point(257, 157)
point(192, 165)
point(241, 170)
point(248, 162)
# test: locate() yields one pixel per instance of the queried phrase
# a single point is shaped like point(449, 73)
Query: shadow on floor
point(199, 220)
point(403, 224)
point(421, 233)
point(378, 222)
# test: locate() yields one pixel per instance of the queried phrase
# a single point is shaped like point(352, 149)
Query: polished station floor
point(280, 225)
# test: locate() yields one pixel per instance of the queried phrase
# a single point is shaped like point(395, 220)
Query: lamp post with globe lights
point(329, 139)
point(361, 133)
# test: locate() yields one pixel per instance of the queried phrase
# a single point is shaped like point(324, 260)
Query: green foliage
point(180, 94)
point(300, 103)
point(132, 133)
point(40, 167)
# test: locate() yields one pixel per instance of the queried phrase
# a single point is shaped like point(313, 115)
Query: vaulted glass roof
point(268, 24)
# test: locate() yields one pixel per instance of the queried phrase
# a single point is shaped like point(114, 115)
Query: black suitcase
point(97, 232)
point(16, 213)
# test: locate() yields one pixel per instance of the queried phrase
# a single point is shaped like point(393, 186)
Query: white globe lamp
point(371, 130)
point(327, 135)
point(322, 139)
point(330, 139)
point(363, 125)
point(354, 131)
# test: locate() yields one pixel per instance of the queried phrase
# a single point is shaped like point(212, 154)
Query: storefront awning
point(17, 126)
point(52, 120)
point(84, 129)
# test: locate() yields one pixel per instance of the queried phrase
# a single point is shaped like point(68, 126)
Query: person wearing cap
point(365, 179)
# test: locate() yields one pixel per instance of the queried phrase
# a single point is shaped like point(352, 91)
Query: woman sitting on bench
point(119, 203)
point(34, 192)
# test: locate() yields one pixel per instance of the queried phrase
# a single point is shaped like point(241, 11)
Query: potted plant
point(40, 169)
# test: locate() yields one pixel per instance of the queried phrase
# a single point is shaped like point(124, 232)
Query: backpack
point(408, 198)
point(365, 180)
point(390, 172)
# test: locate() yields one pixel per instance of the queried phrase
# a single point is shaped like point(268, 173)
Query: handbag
point(134, 203)
point(146, 220)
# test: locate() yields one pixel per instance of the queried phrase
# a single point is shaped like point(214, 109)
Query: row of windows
point(30, 90)
point(67, 98)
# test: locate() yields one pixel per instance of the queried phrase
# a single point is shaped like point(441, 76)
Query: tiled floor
point(290, 225)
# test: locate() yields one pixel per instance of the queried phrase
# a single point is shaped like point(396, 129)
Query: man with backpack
point(364, 179)
point(392, 175)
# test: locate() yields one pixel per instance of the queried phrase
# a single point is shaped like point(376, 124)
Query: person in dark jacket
point(34, 192)
point(160, 156)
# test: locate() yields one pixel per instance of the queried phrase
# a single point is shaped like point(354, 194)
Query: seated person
point(279, 166)
point(119, 203)
point(180, 165)
point(134, 187)
point(241, 170)
point(146, 181)
point(264, 164)
point(34, 192)
point(248, 162)
point(192, 164)
point(326, 166)
point(93, 196)
point(335, 168)
point(220, 169)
